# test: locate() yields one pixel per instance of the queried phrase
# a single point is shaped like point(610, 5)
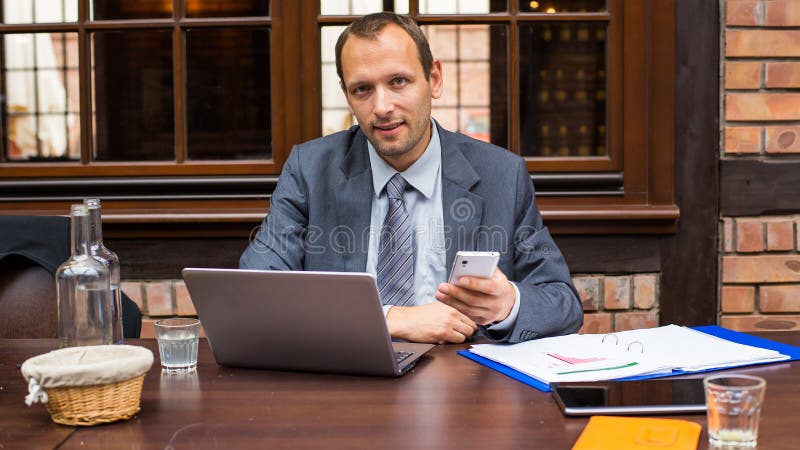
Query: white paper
point(594, 357)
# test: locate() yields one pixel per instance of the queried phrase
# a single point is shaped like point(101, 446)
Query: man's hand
point(484, 300)
point(434, 323)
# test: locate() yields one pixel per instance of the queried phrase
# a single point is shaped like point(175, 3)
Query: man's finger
point(470, 298)
point(463, 329)
point(488, 286)
point(466, 320)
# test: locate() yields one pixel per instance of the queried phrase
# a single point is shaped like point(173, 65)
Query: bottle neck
point(95, 227)
point(80, 234)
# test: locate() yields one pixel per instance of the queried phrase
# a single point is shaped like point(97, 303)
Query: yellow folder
point(634, 433)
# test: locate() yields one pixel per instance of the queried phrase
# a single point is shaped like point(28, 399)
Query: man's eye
point(360, 90)
point(399, 81)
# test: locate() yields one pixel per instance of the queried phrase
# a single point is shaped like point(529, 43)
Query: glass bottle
point(83, 289)
point(110, 259)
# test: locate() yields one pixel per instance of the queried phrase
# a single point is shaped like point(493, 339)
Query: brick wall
point(618, 302)
point(760, 273)
point(760, 265)
point(610, 303)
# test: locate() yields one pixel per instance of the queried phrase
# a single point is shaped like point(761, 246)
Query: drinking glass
point(734, 407)
point(177, 344)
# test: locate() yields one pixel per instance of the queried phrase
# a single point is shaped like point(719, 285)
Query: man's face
point(386, 88)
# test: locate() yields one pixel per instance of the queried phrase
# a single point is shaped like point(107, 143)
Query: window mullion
point(179, 87)
point(413, 8)
point(513, 78)
point(513, 86)
point(85, 81)
point(179, 80)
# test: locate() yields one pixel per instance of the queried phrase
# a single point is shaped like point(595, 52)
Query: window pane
point(461, 6)
point(336, 119)
point(335, 114)
point(557, 6)
point(228, 94)
point(226, 8)
point(328, 37)
point(360, 7)
point(127, 9)
point(563, 89)
point(133, 96)
point(332, 96)
point(474, 66)
point(40, 11)
point(41, 77)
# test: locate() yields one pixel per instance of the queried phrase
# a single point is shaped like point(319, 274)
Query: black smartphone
point(658, 396)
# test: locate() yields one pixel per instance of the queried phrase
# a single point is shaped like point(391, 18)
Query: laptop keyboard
point(402, 356)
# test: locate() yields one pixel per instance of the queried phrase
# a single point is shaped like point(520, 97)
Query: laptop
point(330, 322)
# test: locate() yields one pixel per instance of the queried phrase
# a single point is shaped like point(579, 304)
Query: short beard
point(389, 153)
point(405, 149)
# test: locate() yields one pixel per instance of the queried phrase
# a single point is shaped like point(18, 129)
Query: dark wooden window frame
point(180, 166)
point(631, 191)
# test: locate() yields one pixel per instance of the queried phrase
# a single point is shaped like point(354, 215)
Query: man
point(398, 195)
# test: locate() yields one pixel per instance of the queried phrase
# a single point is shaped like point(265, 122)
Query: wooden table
point(446, 402)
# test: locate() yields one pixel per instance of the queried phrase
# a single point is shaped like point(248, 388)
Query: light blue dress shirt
point(425, 209)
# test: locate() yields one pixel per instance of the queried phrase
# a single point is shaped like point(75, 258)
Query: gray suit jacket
point(319, 219)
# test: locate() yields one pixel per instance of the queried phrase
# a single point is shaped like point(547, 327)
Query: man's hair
point(369, 26)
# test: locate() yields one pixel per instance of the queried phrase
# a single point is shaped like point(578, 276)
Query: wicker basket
point(91, 405)
point(88, 385)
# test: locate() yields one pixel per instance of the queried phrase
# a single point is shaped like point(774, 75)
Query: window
point(581, 88)
point(42, 101)
point(185, 110)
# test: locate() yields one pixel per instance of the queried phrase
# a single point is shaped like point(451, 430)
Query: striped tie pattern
point(395, 267)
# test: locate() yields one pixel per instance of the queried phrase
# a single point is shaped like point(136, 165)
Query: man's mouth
point(388, 126)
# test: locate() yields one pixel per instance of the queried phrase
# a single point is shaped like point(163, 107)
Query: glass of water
point(734, 407)
point(177, 344)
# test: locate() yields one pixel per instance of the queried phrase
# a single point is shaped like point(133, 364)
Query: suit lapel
point(353, 204)
point(463, 209)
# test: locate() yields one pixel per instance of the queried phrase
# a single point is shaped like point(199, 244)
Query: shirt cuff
point(508, 323)
point(386, 309)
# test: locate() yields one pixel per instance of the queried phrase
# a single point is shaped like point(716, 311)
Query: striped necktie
point(395, 267)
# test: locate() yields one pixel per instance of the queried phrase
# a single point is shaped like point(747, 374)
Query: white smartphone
point(473, 264)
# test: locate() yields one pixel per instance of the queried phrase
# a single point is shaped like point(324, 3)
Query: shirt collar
point(422, 175)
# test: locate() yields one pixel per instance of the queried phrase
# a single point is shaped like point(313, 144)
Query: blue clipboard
point(734, 336)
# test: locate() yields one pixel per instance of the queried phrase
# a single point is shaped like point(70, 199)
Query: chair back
point(28, 306)
point(31, 249)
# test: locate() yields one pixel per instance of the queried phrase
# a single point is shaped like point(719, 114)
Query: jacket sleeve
point(278, 243)
point(549, 304)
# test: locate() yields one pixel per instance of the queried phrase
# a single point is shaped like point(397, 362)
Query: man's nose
point(384, 101)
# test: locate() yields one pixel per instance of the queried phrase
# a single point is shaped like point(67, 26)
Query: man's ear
point(436, 80)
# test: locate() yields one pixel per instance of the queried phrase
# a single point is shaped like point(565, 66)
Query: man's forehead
point(392, 49)
point(390, 33)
